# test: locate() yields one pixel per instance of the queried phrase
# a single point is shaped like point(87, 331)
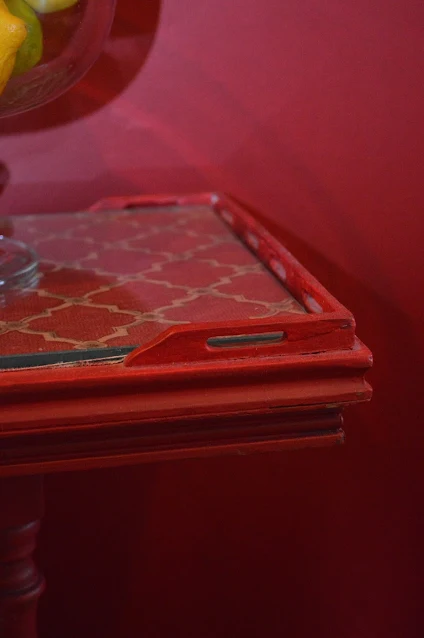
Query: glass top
point(112, 281)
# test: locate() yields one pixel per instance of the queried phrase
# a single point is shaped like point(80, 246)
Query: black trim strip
point(38, 360)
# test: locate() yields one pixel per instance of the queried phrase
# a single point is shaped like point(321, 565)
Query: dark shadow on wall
point(126, 51)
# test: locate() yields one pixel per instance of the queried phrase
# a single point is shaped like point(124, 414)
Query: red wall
point(311, 112)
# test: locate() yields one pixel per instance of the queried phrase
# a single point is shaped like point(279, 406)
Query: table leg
point(21, 584)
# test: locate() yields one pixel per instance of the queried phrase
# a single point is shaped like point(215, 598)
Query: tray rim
point(180, 344)
point(300, 332)
point(181, 351)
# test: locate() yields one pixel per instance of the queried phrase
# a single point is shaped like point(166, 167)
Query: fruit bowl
point(46, 46)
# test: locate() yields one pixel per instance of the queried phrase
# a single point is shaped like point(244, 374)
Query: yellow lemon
point(49, 6)
point(12, 35)
point(31, 51)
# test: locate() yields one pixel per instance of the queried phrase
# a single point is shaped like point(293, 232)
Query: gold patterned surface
point(122, 278)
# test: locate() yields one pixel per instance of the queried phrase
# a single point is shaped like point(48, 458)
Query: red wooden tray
point(168, 324)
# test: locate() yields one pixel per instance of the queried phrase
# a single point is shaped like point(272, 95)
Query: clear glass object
point(73, 38)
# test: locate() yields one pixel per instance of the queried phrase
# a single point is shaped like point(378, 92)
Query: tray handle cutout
point(243, 340)
point(196, 343)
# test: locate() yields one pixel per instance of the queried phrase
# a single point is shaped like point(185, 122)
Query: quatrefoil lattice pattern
point(122, 278)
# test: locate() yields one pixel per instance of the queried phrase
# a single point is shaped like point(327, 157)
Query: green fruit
point(49, 6)
point(31, 51)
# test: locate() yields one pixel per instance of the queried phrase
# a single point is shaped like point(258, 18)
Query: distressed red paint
point(179, 396)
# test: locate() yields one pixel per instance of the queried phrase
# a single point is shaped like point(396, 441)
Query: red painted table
point(158, 328)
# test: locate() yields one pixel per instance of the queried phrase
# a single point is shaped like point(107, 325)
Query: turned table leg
point(21, 584)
